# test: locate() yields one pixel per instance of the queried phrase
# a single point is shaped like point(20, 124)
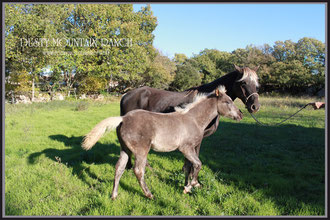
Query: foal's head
point(226, 106)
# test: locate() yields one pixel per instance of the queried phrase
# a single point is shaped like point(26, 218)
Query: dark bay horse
point(242, 83)
point(139, 131)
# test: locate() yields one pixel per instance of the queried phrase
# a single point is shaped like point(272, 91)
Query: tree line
point(95, 48)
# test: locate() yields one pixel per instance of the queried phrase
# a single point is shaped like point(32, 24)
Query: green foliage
point(186, 76)
point(160, 72)
point(124, 62)
point(91, 85)
point(286, 66)
point(292, 75)
point(179, 58)
point(213, 64)
point(247, 169)
point(19, 83)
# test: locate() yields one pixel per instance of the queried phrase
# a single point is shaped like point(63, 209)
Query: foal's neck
point(204, 112)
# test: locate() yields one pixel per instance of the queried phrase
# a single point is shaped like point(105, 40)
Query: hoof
point(150, 196)
point(197, 185)
point(113, 197)
point(186, 190)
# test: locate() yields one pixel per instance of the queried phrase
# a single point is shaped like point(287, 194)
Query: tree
point(122, 50)
point(291, 76)
point(179, 58)
point(284, 51)
point(311, 53)
point(213, 64)
point(26, 26)
point(186, 76)
point(160, 72)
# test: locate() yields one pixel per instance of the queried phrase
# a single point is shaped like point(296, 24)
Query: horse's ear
point(256, 68)
point(237, 68)
point(217, 92)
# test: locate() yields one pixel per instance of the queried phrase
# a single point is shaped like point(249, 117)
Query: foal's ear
point(217, 92)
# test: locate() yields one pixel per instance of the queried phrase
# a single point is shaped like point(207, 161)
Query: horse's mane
point(198, 99)
point(206, 88)
point(248, 73)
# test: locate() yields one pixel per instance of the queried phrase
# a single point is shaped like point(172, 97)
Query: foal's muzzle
point(239, 115)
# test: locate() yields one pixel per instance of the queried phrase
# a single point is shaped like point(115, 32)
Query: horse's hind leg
point(120, 168)
point(139, 170)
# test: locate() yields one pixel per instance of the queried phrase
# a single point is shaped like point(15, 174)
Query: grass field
point(247, 169)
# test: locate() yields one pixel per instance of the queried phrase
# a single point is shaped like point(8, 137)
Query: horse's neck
point(204, 112)
point(227, 80)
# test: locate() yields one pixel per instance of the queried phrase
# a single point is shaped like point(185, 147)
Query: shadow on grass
point(74, 156)
point(284, 163)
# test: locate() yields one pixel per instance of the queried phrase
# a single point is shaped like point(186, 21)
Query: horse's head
point(226, 106)
point(245, 87)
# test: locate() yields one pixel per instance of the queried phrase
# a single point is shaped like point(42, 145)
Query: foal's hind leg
point(139, 170)
point(129, 164)
point(120, 168)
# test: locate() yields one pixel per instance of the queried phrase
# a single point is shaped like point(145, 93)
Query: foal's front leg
point(190, 154)
point(187, 167)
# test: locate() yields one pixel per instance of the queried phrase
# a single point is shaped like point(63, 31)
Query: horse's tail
point(97, 132)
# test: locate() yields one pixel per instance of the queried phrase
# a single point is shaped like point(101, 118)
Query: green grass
point(247, 169)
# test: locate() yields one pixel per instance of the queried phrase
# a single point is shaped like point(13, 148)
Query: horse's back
point(135, 99)
point(150, 99)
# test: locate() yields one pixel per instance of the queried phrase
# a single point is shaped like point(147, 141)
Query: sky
point(190, 28)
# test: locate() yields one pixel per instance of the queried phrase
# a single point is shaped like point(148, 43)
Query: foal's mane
point(198, 99)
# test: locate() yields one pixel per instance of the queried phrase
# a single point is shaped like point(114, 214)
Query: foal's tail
point(96, 133)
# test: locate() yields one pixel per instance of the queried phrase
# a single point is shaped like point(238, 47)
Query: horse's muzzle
point(253, 108)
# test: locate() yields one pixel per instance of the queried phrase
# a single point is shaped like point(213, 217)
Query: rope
point(276, 124)
point(250, 96)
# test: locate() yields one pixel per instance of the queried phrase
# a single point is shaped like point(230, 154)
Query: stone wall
point(44, 97)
